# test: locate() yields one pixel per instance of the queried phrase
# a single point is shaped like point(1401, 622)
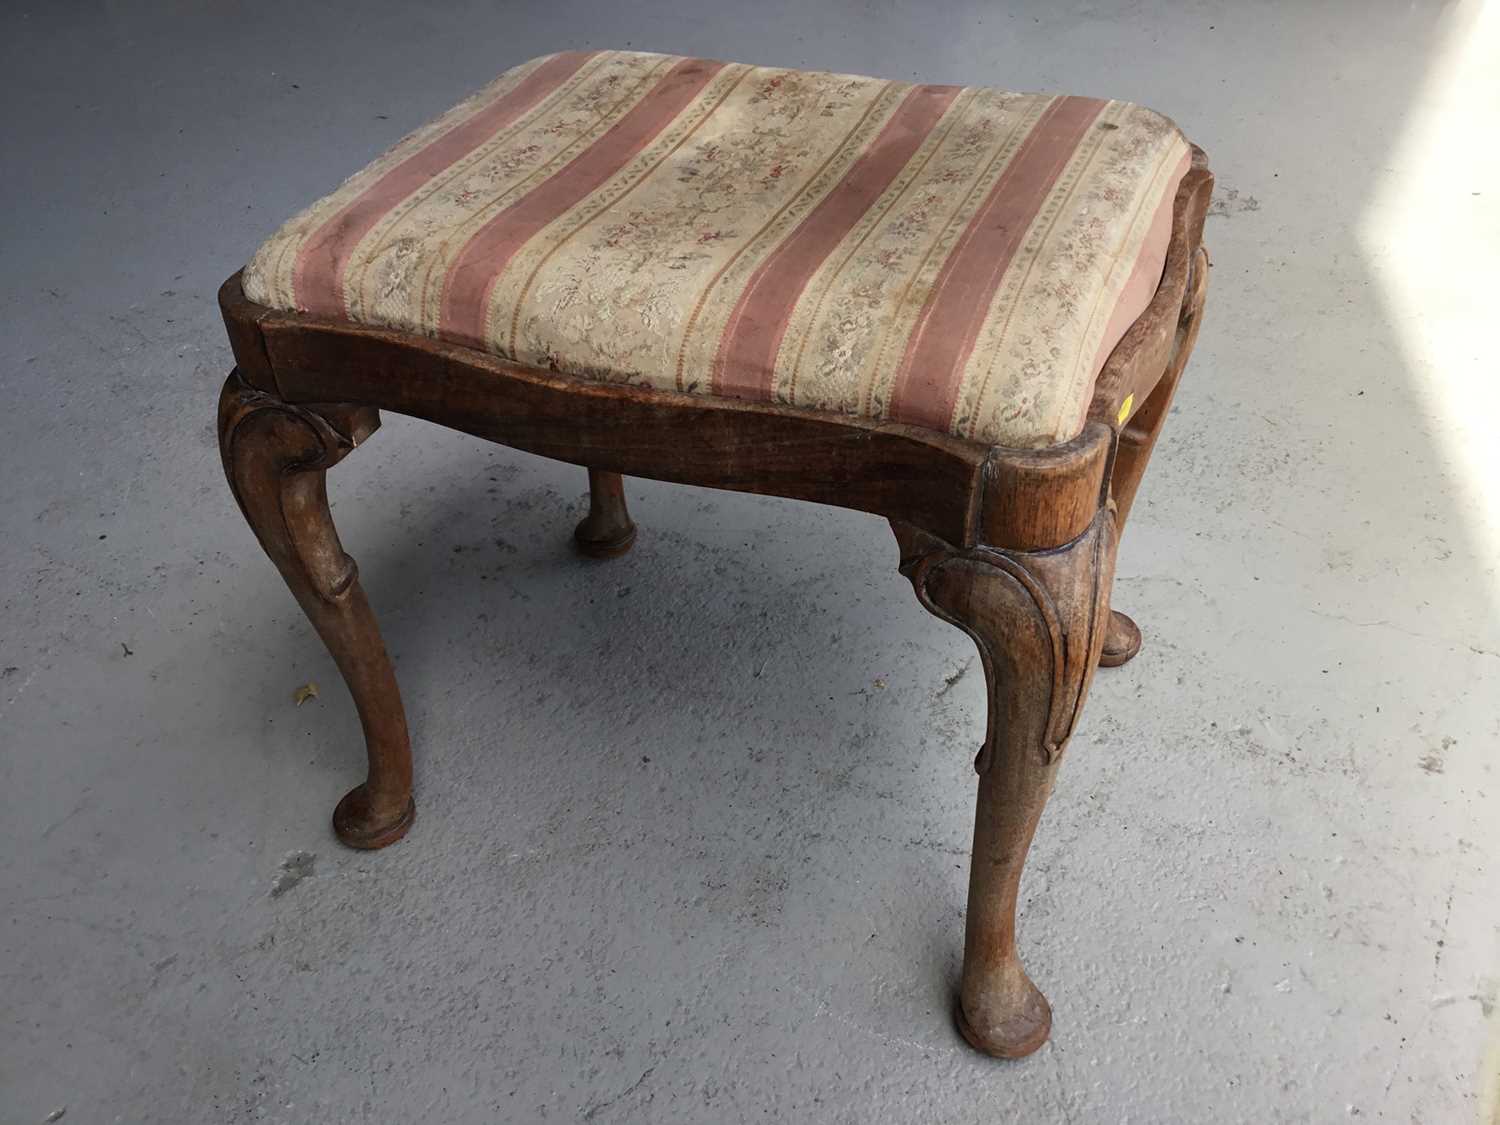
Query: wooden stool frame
point(1014, 546)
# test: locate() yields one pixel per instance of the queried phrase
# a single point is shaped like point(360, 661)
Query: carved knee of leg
point(275, 456)
point(1038, 619)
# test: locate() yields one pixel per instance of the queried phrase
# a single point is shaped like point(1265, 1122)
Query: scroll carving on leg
point(1039, 621)
point(276, 455)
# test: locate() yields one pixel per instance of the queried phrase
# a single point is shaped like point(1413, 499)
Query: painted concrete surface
point(693, 825)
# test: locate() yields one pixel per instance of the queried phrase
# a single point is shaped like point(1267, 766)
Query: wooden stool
point(962, 309)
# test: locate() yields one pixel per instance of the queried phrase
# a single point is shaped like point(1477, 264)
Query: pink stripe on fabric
point(318, 275)
point(1145, 274)
point(927, 382)
point(483, 259)
point(745, 364)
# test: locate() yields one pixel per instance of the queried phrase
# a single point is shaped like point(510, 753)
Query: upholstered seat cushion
point(958, 258)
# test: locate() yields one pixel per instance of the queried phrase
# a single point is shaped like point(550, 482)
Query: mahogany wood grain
point(687, 439)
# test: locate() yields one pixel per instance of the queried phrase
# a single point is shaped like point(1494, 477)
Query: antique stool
point(962, 309)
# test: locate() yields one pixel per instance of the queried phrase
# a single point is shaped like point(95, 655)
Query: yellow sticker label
point(1125, 408)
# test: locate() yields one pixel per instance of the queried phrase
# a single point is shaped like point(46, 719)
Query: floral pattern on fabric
point(957, 258)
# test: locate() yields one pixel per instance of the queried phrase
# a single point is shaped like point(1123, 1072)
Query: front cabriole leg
point(275, 456)
point(1038, 618)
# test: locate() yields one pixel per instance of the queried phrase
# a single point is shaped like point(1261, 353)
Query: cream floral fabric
point(958, 258)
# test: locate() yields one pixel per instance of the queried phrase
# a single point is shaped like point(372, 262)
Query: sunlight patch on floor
point(1431, 234)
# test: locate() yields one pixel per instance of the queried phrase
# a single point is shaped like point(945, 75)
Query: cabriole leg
point(1038, 619)
point(1138, 438)
point(275, 456)
point(607, 530)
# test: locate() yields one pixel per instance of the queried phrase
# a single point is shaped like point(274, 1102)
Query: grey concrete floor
point(693, 825)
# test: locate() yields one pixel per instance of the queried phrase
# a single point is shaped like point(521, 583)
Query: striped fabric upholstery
point(958, 258)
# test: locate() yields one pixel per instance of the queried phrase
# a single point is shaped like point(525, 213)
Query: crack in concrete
point(588, 1114)
point(949, 681)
